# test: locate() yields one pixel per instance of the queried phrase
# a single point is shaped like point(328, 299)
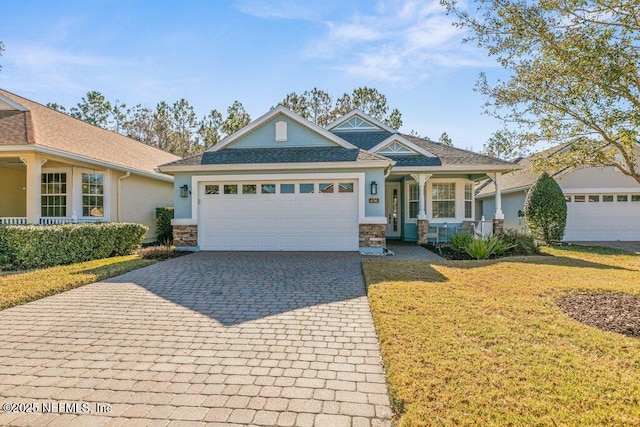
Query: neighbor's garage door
point(603, 217)
point(278, 216)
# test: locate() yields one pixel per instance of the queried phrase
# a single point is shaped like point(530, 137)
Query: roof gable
point(300, 132)
point(402, 144)
point(356, 120)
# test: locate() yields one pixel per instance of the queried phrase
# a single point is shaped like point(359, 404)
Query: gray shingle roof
point(364, 140)
point(404, 160)
point(455, 156)
point(279, 155)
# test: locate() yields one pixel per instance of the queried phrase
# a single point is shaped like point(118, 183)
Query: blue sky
point(214, 52)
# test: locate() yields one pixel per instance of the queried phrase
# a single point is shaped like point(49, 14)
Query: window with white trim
point(443, 199)
point(468, 201)
point(93, 194)
point(414, 193)
point(53, 194)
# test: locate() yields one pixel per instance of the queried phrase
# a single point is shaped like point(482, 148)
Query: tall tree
point(209, 130)
point(119, 116)
point(57, 107)
point(445, 139)
point(237, 118)
point(93, 109)
point(184, 124)
point(1, 50)
point(369, 101)
point(505, 145)
point(314, 105)
point(574, 70)
point(139, 124)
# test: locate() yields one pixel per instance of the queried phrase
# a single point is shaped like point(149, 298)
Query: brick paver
point(246, 338)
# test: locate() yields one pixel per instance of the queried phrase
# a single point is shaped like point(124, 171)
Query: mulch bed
point(607, 311)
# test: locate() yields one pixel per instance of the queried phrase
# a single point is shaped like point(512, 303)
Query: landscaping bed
point(607, 311)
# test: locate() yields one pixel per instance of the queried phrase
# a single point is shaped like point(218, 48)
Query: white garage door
point(603, 217)
point(278, 216)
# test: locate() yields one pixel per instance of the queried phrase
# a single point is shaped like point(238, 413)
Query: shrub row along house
point(55, 169)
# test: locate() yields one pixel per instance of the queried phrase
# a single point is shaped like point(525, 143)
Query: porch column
point(422, 222)
point(498, 219)
point(34, 169)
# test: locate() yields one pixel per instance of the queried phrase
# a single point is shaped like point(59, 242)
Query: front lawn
point(21, 287)
point(484, 343)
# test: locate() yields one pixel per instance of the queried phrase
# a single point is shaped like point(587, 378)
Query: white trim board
point(403, 141)
point(363, 116)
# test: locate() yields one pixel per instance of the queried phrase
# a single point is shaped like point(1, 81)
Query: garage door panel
point(304, 222)
point(602, 221)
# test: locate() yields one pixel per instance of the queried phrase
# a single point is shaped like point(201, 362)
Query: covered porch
point(41, 190)
point(431, 207)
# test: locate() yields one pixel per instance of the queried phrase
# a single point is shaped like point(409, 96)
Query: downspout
point(127, 175)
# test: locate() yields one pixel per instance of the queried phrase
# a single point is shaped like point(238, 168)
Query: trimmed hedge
point(164, 229)
point(545, 210)
point(47, 246)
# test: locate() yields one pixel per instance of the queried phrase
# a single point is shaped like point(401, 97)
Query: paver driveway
point(245, 338)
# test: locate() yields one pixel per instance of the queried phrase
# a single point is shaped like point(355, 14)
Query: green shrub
point(46, 246)
point(459, 241)
point(483, 248)
point(521, 244)
point(160, 253)
point(545, 210)
point(164, 229)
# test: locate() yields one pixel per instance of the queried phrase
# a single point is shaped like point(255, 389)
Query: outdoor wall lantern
point(374, 188)
point(184, 191)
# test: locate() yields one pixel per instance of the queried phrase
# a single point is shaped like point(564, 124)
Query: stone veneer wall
point(185, 235)
point(423, 229)
point(498, 226)
point(373, 235)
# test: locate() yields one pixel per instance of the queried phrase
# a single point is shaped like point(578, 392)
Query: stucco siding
point(297, 136)
point(14, 197)
point(591, 178)
point(139, 199)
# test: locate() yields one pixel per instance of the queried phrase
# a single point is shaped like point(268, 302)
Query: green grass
point(483, 342)
point(21, 287)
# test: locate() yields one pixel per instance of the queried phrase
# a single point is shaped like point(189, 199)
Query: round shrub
point(545, 210)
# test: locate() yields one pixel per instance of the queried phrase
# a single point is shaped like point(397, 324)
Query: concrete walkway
point(410, 251)
point(220, 338)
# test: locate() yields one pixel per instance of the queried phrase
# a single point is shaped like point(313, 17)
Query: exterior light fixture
point(374, 188)
point(184, 191)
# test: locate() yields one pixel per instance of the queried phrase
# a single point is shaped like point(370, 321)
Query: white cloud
point(395, 41)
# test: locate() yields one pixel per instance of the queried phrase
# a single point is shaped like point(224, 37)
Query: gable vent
point(281, 131)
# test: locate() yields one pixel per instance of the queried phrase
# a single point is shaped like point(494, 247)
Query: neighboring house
point(284, 183)
point(602, 203)
point(56, 169)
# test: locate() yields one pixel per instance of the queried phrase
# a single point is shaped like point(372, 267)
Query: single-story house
point(602, 203)
point(284, 183)
point(56, 169)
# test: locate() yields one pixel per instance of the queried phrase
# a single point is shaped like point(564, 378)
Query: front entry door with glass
point(392, 208)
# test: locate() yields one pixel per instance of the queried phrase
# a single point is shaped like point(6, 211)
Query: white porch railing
point(7, 220)
point(55, 221)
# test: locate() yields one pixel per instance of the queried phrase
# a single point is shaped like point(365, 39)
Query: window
point(413, 200)
point(211, 189)
point(306, 188)
point(635, 197)
point(249, 188)
point(54, 194)
point(268, 189)
point(93, 194)
point(607, 198)
point(622, 198)
point(594, 199)
point(444, 200)
point(468, 201)
point(287, 188)
point(326, 188)
point(345, 187)
point(231, 189)
point(578, 199)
